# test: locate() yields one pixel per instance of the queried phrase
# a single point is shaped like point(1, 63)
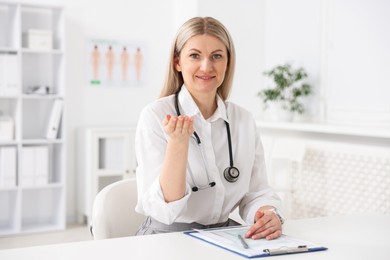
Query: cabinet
point(106, 155)
point(32, 161)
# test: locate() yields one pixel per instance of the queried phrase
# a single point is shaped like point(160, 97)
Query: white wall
point(343, 44)
point(245, 22)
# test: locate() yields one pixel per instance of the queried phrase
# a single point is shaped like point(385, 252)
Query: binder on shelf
point(54, 119)
point(8, 167)
point(26, 176)
point(41, 174)
point(34, 166)
point(231, 239)
point(8, 74)
point(6, 127)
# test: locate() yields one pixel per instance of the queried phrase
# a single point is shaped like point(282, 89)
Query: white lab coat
point(212, 205)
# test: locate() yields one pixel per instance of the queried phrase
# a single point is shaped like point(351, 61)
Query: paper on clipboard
point(228, 239)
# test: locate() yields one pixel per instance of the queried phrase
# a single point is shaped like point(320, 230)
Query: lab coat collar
point(188, 106)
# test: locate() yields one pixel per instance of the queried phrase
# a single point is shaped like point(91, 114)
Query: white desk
point(347, 237)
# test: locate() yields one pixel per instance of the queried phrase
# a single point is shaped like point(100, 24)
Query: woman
point(199, 156)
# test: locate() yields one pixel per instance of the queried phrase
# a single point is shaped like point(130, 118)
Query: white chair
point(113, 213)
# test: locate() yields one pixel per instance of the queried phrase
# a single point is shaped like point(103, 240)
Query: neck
point(207, 105)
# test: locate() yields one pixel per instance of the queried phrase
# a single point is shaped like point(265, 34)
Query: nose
point(206, 65)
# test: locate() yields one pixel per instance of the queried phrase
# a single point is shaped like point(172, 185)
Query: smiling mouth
point(205, 77)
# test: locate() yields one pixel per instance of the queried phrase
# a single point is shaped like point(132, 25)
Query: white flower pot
point(277, 112)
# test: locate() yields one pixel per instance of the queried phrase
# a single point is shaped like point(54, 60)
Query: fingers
point(267, 226)
point(269, 233)
point(188, 126)
point(178, 125)
point(274, 235)
point(259, 214)
point(169, 124)
point(166, 120)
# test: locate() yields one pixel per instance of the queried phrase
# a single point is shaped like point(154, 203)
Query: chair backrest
point(113, 213)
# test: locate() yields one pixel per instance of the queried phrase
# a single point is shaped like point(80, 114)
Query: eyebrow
point(193, 49)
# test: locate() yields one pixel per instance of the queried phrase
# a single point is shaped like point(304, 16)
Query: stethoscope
point(231, 173)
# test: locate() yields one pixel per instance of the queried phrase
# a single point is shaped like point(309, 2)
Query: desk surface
point(347, 237)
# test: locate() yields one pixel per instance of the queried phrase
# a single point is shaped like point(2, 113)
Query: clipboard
point(231, 239)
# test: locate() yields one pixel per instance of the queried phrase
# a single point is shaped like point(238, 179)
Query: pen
point(244, 244)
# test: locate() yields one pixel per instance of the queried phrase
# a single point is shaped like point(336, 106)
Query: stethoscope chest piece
point(231, 174)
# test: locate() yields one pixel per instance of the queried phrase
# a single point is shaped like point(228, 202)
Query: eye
point(217, 56)
point(194, 55)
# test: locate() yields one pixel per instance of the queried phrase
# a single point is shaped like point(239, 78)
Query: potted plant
point(287, 90)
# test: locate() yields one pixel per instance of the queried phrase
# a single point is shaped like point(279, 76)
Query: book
point(27, 167)
point(8, 167)
point(34, 166)
point(232, 239)
point(54, 119)
point(41, 171)
point(9, 74)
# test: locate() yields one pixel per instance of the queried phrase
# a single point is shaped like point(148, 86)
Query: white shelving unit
point(39, 206)
point(106, 155)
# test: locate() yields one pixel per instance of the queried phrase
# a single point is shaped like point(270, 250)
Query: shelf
point(32, 51)
point(35, 119)
point(8, 143)
point(38, 202)
point(47, 186)
point(43, 96)
point(9, 96)
point(41, 209)
point(8, 209)
point(330, 129)
point(9, 50)
point(9, 189)
point(41, 141)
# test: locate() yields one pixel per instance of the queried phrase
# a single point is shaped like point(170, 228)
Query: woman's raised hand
point(178, 127)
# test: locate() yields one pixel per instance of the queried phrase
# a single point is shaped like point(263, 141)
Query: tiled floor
point(71, 234)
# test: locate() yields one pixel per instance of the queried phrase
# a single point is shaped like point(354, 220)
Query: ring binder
point(286, 250)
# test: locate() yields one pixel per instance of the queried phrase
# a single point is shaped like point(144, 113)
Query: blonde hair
point(199, 26)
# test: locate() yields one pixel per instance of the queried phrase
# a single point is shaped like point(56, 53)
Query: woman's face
point(203, 62)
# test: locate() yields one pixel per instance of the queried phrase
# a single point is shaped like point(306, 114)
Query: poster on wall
point(115, 63)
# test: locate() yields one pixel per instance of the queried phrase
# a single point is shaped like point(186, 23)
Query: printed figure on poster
point(115, 63)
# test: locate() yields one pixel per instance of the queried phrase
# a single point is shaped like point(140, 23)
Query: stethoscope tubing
point(229, 178)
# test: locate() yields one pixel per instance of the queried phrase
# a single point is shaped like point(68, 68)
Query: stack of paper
point(229, 239)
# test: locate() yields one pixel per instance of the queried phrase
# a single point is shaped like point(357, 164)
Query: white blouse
point(212, 205)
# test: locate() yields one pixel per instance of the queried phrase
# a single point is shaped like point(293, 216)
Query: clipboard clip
point(286, 250)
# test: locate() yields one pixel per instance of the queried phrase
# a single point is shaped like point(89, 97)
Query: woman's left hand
point(267, 225)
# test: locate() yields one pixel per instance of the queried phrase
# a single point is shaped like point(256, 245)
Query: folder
point(54, 120)
point(34, 169)
point(232, 239)
point(7, 167)
point(27, 169)
point(9, 77)
point(41, 174)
